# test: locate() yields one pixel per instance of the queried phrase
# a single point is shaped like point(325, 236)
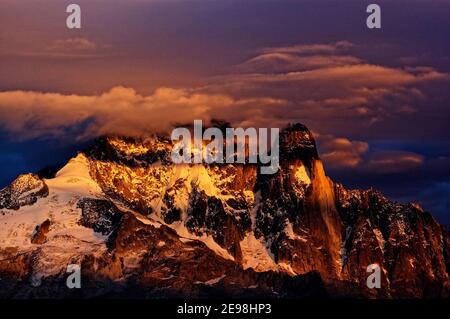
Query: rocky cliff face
point(411, 247)
point(25, 190)
point(131, 218)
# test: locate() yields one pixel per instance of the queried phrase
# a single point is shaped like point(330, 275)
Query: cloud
point(311, 49)
point(299, 58)
point(339, 152)
point(73, 44)
point(389, 162)
point(344, 154)
point(277, 62)
point(68, 48)
point(328, 87)
point(28, 115)
point(324, 86)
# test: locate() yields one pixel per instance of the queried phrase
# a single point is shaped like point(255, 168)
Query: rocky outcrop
point(407, 242)
point(14, 264)
point(25, 190)
point(100, 215)
point(39, 235)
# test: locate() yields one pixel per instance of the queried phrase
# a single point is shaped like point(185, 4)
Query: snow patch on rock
point(255, 254)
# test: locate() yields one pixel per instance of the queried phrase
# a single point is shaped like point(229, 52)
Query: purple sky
point(377, 100)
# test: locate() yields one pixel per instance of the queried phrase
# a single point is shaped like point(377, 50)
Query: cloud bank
point(322, 85)
point(28, 115)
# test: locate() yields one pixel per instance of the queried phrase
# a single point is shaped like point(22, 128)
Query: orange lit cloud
point(77, 43)
point(121, 110)
point(311, 49)
point(66, 48)
point(327, 87)
point(341, 152)
point(389, 162)
point(322, 85)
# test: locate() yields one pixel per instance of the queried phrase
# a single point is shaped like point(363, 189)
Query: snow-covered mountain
point(139, 224)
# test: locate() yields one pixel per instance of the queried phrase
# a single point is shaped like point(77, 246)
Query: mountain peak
point(297, 142)
point(126, 213)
